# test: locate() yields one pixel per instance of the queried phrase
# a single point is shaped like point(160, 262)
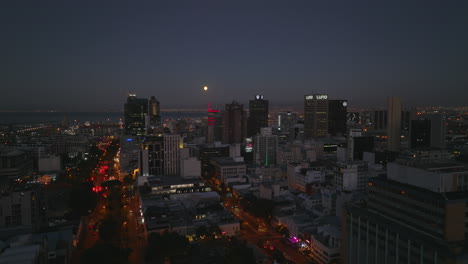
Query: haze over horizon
point(87, 56)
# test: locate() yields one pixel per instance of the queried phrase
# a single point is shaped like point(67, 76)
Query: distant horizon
point(199, 108)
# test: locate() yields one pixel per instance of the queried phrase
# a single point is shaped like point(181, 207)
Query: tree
point(108, 229)
point(214, 230)
point(201, 231)
point(238, 252)
point(247, 202)
point(164, 245)
point(283, 230)
point(128, 180)
point(262, 208)
point(209, 232)
point(105, 253)
point(111, 183)
point(81, 200)
point(145, 189)
point(279, 256)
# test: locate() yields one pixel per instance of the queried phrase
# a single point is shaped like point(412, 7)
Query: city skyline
point(227, 132)
point(82, 56)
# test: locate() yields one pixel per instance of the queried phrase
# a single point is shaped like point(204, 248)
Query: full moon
point(205, 88)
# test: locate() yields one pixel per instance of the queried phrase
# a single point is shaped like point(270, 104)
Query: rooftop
point(227, 161)
point(10, 153)
point(443, 167)
point(171, 180)
point(412, 190)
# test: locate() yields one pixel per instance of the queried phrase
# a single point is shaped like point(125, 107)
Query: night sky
point(88, 55)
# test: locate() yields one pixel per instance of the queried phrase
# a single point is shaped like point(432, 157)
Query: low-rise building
point(14, 164)
point(226, 167)
point(173, 186)
point(270, 190)
point(190, 168)
point(186, 215)
point(351, 176)
point(325, 243)
point(23, 207)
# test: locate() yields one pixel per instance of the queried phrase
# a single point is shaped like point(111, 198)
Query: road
point(134, 230)
point(251, 233)
point(131, 233)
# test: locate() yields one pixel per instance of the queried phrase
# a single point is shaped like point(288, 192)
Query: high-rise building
point(403, 223)
point(212, 124)
point(438, 130)
point(420, 134)
point(315, 116)
point(394, 124)
point(286, 122)
point(379, 119)
point(172, 144)
point(405, 120)
point(154, 112)
point(358, 144)
point(151, 159)
point(258, 115)
point(135, 112)
point(265, 147)
point(234, 123)
point(337, 111)
point(218, 127)
point(205, 153)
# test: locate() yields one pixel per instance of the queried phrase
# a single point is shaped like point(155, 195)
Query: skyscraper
point(315, 116)
point(405, 120)
point(265, 147)
point(210, 151)
point(394, 123)
point(151, 159)
point(337, 111)
point(211, 124)
point(380, 119)
point(286, 122)
point(420, 134)
point(234, 123)
point(428, 131)
point(135, 111)
point(154, 112)
point(258, 115)
point(358, 144)
point(172, 144)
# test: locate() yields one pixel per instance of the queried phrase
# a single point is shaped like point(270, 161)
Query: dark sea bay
point(80, 117)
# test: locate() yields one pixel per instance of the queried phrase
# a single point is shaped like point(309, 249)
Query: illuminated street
point(251, 233)
point(131, 233)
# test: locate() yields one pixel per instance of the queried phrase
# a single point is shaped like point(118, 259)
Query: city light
point(306, 156)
